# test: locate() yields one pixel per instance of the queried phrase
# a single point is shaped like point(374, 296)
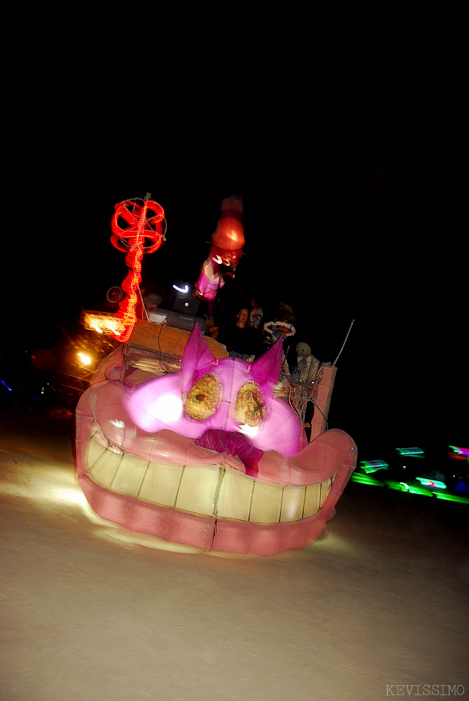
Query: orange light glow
point(85, 359)
point(229, 235)
point(101, 322)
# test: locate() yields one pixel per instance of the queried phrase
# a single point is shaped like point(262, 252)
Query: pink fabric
point(234, 444)
point(111, 367)
point(207, 286)
point(206, 533)
point(281, 430)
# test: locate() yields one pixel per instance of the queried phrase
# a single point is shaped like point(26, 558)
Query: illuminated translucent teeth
point(205, 490)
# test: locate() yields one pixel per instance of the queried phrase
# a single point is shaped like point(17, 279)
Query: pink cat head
point(224, 395)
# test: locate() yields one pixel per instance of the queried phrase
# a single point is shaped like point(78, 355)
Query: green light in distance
point(451, 497)
point(409, 489)
point(370, 466)
point(410, 451)
point(364, 479)
point(425, 482)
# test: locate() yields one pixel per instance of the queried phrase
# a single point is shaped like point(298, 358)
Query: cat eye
point(250, 405)
point(204, 397)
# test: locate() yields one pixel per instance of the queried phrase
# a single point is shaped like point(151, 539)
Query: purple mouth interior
point(235, 444)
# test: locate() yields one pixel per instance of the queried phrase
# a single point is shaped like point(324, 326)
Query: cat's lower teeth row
point(205, 490)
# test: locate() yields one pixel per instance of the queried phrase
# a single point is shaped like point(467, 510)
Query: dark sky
point(342, 223)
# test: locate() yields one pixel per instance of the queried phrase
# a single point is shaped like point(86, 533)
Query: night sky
point(340, 224)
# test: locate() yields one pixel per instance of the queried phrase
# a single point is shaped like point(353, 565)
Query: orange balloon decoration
point(229, 234)
point(143, 234)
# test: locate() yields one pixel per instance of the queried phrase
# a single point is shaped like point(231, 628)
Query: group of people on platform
point(245, 329)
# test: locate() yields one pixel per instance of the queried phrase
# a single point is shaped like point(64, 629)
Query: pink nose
point(235, 444)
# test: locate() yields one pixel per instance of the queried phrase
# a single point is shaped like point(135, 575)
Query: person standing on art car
point(228, 298)
point(256, 313)
point(283, 326)
point(238, 338)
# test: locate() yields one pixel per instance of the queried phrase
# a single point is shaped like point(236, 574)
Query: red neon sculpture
point(143, 234)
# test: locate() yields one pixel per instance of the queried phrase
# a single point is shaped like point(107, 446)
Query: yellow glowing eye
point(250, 405)
point(204, 397)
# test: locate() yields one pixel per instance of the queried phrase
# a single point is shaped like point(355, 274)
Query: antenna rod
point(343, 344)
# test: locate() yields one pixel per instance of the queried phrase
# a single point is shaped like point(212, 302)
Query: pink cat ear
point(266, 369)
point(197, 358)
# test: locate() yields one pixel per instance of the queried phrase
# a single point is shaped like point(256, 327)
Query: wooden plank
point(168, 340)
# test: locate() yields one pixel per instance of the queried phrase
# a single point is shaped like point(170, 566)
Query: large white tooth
point(105, 468)
point(266, 501)
point(292, 503)
point(197, 489)
point(325, 489)
point(234, 500)
point(313, 494)
point(130, 474)
point(95, 451)
point(161, 483)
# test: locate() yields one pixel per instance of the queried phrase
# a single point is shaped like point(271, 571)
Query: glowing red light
point(229, 235)
point(143, 234)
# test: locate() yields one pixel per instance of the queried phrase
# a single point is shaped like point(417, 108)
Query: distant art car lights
point(458, 453)
point(141, 232)
point(430, 483)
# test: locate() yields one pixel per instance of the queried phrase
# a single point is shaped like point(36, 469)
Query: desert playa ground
point(377, 609)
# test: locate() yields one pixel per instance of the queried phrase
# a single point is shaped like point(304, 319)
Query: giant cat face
point(227, 395)
point(193, 475)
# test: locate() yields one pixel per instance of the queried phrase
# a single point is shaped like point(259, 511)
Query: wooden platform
point(158, 348)
point(168, 340)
